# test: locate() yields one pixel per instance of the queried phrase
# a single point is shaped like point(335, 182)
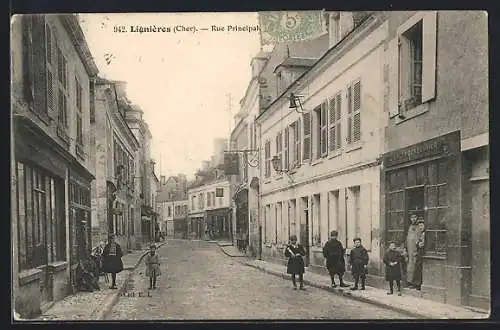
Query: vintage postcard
point(276, 165)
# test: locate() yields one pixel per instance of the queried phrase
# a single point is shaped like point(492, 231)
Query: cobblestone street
point(199, 282)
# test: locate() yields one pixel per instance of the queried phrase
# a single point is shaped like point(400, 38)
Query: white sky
point(179, 79)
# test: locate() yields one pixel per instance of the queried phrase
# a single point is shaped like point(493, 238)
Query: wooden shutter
point(324, 128)
point(51, 66)
point(392, 84)
point(298, 149)
point(349, 115)
point(39, 63)
point(356, 126)
point(286, 149)
point(307, 136)
point(338, 128)
point(29, 90)
point(429, 56)
point(332, 116)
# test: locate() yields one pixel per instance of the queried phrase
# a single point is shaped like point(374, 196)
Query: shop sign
point(440, 146)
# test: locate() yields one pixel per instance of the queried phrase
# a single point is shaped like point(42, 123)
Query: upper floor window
point(279, 145)
point(354, 113)
point(51, 69)
point(321, 129)
point(79, 112)
point(295, 128)
point(63, 89)
point(335, 115)
point(169, 211)
point(306, 119)
point(267, 158)
point(411, 64)
point(286, 148)
point(209, 200)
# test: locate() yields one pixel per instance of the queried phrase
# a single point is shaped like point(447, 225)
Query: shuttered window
point(286, 147)
point(354, 113)
point(267, 158)
point(306, 154)
point(323, 130)
point(279, 146)
point(63, 90)
point(335, 115)
point(79, 113)
point(51, 67)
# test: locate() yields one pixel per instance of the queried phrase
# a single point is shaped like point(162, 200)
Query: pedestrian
point(112, 259)
point(392, 261)
point(295, 253)
point(152, 266)
point(411, 248)
point(359, 263)
point(419, 255)
point(333, 252)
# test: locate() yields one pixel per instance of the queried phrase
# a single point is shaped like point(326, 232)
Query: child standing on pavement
point(294, 252)
point(392, 261)
point(359, 261)
point(152, 266)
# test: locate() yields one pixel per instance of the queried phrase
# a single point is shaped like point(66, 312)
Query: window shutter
point(429, 56)
point(332, 123)
point(349, 115)
point(286, 153)
point(356, 130)
point(39, 63)
point(29, 91)
point(51, 65)
point(338, 128)
point(392, 87)
point(307, 136)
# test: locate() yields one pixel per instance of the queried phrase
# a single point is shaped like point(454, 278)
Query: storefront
point(196, 226)
point(424, 181)
point(219, 224)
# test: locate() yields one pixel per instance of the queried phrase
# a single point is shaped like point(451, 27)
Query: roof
point(297, 61)
point(262, 55)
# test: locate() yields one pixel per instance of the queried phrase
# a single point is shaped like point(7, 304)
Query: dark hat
point(110, 236)
point(420, 221)
point(356, 239)
point(334, 233)
point(293, 238)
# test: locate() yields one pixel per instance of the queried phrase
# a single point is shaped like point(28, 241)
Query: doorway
point(304, 229)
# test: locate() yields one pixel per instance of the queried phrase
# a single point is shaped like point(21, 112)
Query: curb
point(347, 295)
point(230, 255)
point(110, 301)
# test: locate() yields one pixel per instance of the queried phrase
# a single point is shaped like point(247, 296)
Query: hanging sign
point(231, 163)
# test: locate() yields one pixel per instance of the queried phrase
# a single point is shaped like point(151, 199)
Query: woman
point(295, 266)
point(112, 259)
point(152, 262)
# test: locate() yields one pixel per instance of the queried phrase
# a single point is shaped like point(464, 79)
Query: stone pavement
point(200, 282)
point(418, 307)
point(93, 305)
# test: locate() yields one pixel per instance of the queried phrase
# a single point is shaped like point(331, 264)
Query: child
point(152, 266)
point(392, 261)
point(295, 265)
point(359, 261)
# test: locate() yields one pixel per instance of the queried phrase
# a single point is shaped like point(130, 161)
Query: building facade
point(115, 199)
point(327, 150)
point(210, 210)
point(173, 193)
point(51, 164)
point(437, 159)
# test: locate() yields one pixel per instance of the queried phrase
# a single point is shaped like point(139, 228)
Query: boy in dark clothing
point(333, 251)
point(392, 261)
point(359, 261)
point(295, 266)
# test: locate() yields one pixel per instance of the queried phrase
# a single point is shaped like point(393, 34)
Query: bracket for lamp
point(254, 161)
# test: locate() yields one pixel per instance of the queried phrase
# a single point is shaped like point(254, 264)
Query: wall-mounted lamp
point(295, 102)
point(276, 161)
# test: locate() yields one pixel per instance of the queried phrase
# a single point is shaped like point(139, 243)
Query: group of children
point(358, 260)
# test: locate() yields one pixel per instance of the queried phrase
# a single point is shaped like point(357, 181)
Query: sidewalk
point(231, 251)
point(406, 304)
point(95, 305)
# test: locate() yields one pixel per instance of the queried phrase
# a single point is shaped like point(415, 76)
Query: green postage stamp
point(288, 26)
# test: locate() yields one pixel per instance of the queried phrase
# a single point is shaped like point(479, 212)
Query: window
point(335, 116)
point(321, 130)
point(412, 66)
point(41, 220)
point(63, 87)
point(267, 158)
point(354, 113)
point(306, 154)
point(267, 224)
point(193, 203)
point(51, 66)
point(209, 199)
point(286, 154)
point(79, 115)
point(169, 211)
point(132, 225)
point(279, 146)
point(296, 136)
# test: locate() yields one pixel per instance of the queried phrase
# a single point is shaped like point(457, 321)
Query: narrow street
point(199, 282)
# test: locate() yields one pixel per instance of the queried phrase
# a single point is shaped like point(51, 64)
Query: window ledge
point(353, 147)
point(412, 113)
point(62, 132)
point(30, 275)
point(57, 266)
point(317, 161)
point(435, 256)
point(334, 154)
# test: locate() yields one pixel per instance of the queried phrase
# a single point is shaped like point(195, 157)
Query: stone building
point(320, 161)
point(115, 197)
point(52, 79)
point(436, 163)
point(172, 204)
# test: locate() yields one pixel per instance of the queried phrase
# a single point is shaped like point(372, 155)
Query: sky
point(181, 80)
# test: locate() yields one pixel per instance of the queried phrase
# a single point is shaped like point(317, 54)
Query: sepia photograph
point(273, 165)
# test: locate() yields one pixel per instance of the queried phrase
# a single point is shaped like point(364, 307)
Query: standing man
point(112, 259)
point(411, 248)
point(333, 251)
point(419, 255)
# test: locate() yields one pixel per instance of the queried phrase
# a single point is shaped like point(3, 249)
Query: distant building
point(52, 84)
point(172, 203)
